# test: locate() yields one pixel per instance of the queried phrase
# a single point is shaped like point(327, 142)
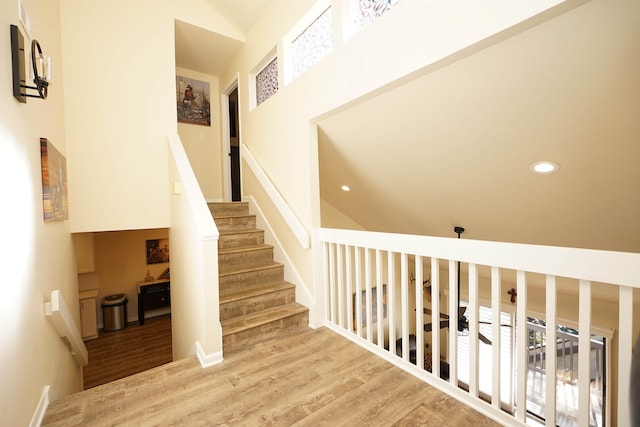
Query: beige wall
point(120, 263)
point(36, 257)
point(203, 144)
point(120, 76)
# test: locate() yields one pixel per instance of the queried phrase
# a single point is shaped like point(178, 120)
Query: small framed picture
point(157, 251)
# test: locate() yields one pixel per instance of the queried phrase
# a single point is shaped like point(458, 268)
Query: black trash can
point(114, 312)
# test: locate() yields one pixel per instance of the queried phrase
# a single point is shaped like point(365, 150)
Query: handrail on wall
point(60, 316)
point(287, 213)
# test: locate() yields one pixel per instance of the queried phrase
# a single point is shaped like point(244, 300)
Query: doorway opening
point(233, 135)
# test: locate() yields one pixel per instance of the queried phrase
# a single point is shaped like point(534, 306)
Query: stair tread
point(263, 317)
point(234, 293)
point(234, 216)
point(241, 231)
point(247, 268)
point(238, 249)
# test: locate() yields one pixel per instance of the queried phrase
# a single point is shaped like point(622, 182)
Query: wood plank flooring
point(306, 377)
point(117, 354)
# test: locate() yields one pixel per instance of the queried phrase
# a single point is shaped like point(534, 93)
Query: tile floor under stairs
point(255, 300)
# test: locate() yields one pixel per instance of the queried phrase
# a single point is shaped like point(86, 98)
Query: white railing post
point(453, 324)
point(349, 283)
point(474, 330)
point(327, 280)
point(584, 354)
point(419, 311)
point(625, 351)
point(391, 273)
point(522, 347)
point(379, 299)
point(358, 307)
point(368, 299)
point(340, 285)
point(551, 352)
point(332, 284)
point(435, 317)
point(404, 294)
point(495, 336)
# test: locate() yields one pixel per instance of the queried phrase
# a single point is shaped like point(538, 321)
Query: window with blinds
point(485, 372)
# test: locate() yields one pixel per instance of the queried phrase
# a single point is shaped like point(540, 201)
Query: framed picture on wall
point(374, 306)
point(193, 101)
point(54, 182)
point(157, 251)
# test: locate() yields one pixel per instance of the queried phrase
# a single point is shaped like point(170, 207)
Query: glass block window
point(313, 44)
point(367, 11)
point(267, 82)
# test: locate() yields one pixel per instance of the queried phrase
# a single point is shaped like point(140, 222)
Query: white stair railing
point(369, 298)
point(57, 311)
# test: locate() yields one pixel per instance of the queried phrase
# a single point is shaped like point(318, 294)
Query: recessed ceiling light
point(544, 167)
point(345, 188)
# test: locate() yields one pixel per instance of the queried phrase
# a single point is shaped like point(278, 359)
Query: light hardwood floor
point(308, 377)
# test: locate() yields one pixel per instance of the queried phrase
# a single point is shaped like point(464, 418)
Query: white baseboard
point(41, 409)
point(207, 360)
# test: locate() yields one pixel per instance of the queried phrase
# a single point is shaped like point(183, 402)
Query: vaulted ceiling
point(454, 146)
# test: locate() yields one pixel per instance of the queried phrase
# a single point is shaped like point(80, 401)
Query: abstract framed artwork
point(54, 182)
point(193, 101)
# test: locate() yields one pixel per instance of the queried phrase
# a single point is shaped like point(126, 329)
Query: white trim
point(58, 313)
point(276, 198)
point(41, 409)
point(560, 262)
point(207, 360)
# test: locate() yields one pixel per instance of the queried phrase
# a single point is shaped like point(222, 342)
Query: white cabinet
point(83, 243)
point(89, 314)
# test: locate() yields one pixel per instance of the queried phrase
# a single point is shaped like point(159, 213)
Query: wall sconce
point(41, 68)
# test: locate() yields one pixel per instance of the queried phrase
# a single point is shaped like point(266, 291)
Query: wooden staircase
point(255, 300)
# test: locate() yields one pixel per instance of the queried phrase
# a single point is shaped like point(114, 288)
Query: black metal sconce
point(41, 81)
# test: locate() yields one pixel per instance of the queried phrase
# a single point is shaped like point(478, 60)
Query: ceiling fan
point(463, 321)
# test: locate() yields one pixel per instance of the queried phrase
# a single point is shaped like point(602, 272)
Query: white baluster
point(523, 345)
point(496, 334)
point(453, 323)
point(419, 315)
point(584, 354)
point(379, 298)
point(551, 352)
point(358, 306)
point(404, 280)
point(340, 285)
point(435, 317)
point(391, 283)
point(625, 350)
point(474, 330)
point(350, 307)
point(367, 284)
